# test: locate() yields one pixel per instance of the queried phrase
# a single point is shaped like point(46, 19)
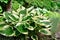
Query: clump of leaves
point(48, 4)
point(24, 21)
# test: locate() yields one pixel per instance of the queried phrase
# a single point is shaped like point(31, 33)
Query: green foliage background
point(29, 17)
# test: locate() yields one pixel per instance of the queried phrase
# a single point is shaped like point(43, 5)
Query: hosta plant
point(26, 23)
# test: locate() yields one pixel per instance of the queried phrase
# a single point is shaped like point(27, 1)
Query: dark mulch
point(8, 38)
point(17, 38)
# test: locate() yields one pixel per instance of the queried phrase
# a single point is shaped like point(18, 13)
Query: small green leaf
point(0, 9)
point(26, 18)
point(23, 12)
point(15, 5)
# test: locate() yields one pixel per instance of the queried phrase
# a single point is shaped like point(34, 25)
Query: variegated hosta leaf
point(34, 37)
point(21, 28)
point(28, 26)
point(41, 21)
point(6, 30)
point(1, 26)
point(23, 12)
point(11, 17)
point(45, 31)
point(26, 18)
point(30, 9)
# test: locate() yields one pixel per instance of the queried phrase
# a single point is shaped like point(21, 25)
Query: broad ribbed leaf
point(21, 28)
point(7, 30)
